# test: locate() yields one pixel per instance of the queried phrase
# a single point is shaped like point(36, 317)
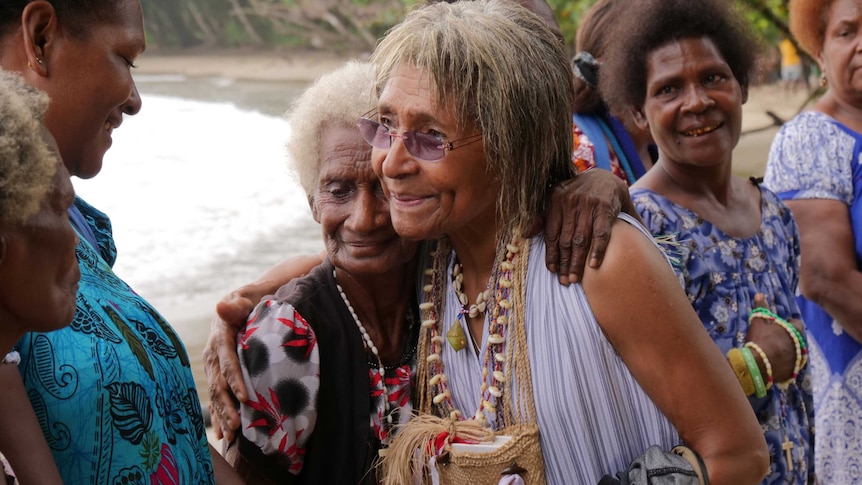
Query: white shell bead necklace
point(495, 357)
point(482, 298)
point(369, 344)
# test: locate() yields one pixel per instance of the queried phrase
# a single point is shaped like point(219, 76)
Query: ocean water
point(200, 197)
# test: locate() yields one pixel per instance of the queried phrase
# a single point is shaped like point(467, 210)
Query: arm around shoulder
point(647, 317)
point(281, 371)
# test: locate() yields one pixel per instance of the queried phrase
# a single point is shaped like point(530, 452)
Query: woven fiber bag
point(430, 445)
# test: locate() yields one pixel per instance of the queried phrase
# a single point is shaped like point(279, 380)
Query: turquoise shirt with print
point(114, 391)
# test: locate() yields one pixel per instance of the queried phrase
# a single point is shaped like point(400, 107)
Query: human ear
point(640, 118)
point(313, 206)
point(39, 30)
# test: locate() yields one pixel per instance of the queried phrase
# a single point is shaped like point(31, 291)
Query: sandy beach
point(306, 66)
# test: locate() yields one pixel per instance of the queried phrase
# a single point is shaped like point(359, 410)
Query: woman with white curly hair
point(38, 270)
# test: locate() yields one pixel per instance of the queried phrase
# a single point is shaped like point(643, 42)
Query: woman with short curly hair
point(683, 69)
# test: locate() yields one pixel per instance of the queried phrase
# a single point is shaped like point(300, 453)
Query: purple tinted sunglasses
point(423, 146)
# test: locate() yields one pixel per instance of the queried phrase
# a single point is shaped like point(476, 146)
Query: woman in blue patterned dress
point(685, 68)
point(814, 166)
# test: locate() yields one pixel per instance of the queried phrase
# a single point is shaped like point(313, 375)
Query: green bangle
point(764, 313)
point(759, 386)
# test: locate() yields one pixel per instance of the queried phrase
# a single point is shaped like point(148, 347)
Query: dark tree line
point(345, 25)
point(325, 24)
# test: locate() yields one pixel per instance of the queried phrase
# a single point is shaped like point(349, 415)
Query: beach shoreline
point(245, 65)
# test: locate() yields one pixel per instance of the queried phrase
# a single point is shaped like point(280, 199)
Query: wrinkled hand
point(775, 342)
point(579, 216)
point(226, 386)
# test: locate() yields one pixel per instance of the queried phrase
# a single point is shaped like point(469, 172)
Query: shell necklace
point(369, 344)
point(456, 335)
point(494, 358)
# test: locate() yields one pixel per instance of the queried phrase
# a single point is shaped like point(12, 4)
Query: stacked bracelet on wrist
point(743, 371)
point(795, 336)
point(759, 385)
point(756, 348)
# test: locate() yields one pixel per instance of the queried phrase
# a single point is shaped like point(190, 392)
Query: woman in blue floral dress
point(814, 166)
point(734, 245)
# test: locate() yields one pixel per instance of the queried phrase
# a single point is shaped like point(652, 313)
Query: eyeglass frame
point(416, 137)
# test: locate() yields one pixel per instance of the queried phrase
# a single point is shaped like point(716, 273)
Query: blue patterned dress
point(721, 275)
point(114, 391)
point(815, 157)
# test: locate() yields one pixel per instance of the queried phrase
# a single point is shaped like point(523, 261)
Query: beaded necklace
point(482, 298)
point(369, 345)
point(494, 357)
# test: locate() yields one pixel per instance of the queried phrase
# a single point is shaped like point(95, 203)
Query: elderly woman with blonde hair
point(814, 167)
point(38, 270)
point(328, 359)
point(473, 123)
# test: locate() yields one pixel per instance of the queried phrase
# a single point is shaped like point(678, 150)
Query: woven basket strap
point(520, 406)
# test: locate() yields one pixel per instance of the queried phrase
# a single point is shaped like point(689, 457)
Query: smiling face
point(351, 208)
point(840, 58)
point(39, 270)
point(428, 199)
point(91, 87)
point(693, 104)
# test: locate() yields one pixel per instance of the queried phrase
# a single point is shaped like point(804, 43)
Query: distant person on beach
point(791, 66)
point(38, 269)
point(814, 166)
point(685, 69)
point(114, 391)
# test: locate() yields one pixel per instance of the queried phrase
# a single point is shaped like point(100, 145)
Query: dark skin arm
point(578, 223)
point(21, 438)
point(222, 368)
point(646, 315)
point(829, 275)
point(578, 220)
point(775, 342)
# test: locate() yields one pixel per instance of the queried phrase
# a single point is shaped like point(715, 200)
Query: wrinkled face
point(91, 87)
point(693, 103)
point(428, 199)
point(352, 209)
point(840, 58)
point(39, 270)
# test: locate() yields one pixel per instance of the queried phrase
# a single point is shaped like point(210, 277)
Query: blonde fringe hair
point(338, 98)
point(27, 164)
point(501, 70)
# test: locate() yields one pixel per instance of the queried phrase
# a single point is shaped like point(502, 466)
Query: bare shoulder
point(629, 251)
point(635, 285)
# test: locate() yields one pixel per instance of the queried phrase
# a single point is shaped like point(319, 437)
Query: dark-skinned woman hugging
point(814, 166)
point(328, 359)
point(682, 68)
